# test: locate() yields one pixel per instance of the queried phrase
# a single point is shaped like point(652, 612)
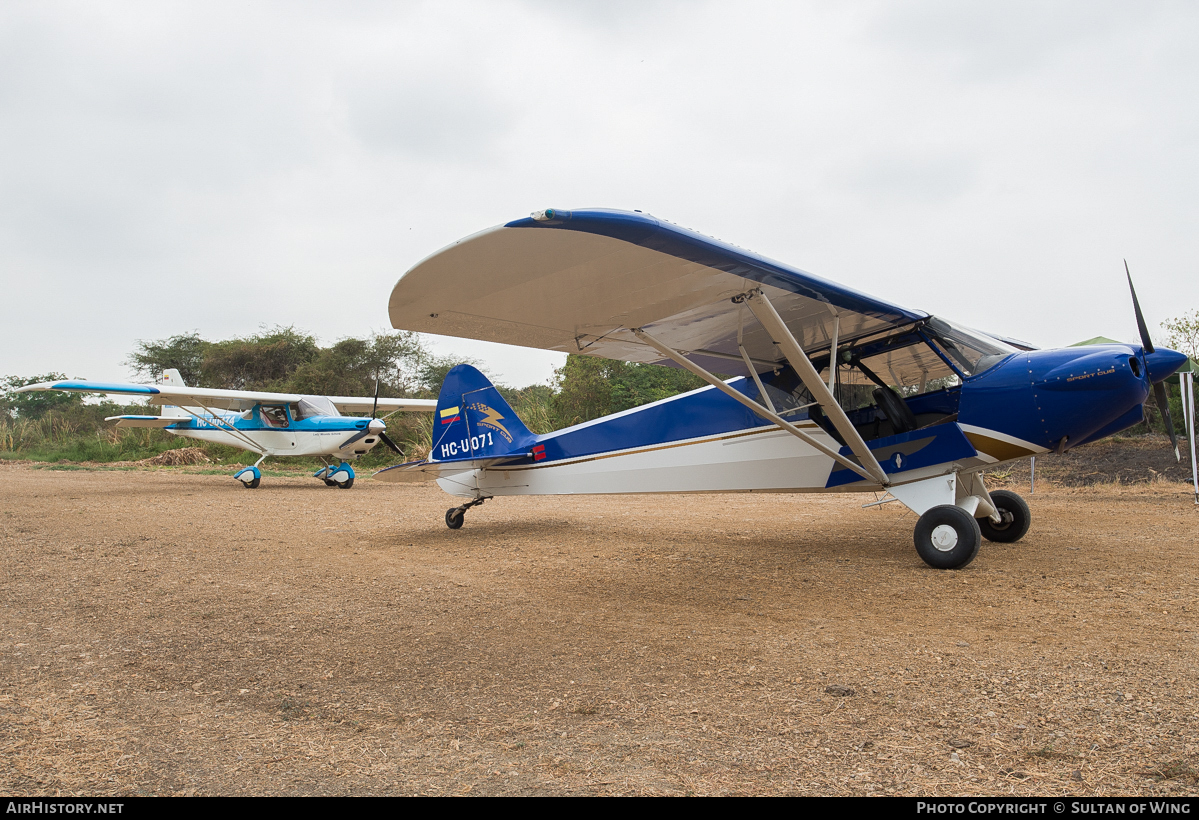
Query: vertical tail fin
point(473, 421)
point(172, 377)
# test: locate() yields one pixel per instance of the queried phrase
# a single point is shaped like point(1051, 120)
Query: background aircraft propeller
point(382, 435)
point(1159, 388)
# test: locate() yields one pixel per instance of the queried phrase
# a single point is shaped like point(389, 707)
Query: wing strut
point(220, 423)
point(753, 371)
point(757, 302)
point(683, 361)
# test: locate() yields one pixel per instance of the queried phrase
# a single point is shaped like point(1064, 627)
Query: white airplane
point(835, 391)
point(270, 424)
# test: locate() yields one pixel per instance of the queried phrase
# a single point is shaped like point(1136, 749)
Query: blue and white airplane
point(833, 390)
point(270, 424)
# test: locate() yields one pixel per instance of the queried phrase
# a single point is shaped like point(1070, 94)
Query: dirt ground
point(1110, 461)
point(166, 632)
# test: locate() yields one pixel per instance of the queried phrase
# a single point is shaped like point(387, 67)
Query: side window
point(275, 417)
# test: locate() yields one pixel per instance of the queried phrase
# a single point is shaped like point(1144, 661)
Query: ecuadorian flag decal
point(449, 415)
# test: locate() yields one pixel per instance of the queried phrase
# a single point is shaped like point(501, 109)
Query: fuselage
point(1024, 404)
point(277, 433)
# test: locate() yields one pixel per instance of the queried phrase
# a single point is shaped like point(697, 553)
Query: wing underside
point(582, 282)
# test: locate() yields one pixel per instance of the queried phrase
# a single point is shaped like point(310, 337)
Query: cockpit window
point(970, 351)
point(903, 362)
point(274, 417)
point(310, 406)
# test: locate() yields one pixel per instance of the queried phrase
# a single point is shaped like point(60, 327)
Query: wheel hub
point(944, 537)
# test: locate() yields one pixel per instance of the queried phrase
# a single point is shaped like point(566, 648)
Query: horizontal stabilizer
point(147, 421)
point(416, 471)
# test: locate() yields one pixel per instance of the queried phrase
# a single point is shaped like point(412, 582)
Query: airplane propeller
point(1159, 388)
point(382, 435)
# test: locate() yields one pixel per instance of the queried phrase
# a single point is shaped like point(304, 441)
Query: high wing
point(227, 399)
point(582, 281)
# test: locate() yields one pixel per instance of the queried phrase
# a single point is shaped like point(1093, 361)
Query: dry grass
point(179, 457)
point(172, 633)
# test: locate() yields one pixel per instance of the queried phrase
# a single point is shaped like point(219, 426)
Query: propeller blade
point(387, 440)
point(1163, 405)
point(375, 406)
point(1146, 342)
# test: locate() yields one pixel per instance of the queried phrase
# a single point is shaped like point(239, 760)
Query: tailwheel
point(455, 517)
point(1015, 515)
point(947, 537)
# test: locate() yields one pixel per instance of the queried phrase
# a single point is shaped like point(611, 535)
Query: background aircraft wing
point(360, 404)
point(171, 394)
point(578, 281)
point(226, 399)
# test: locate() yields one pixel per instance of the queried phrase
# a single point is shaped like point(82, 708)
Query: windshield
point(310, 406)
point(970, 351)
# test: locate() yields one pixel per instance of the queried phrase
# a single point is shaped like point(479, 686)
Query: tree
point(36, 404)
point(184, 352)
point(265, 361)
point(1183, 337)
point(1184, 334)
point(587, 387)
point(582, 389)
point(350, 367)
point(432, 370)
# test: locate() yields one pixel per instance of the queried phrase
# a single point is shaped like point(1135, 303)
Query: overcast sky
point(220, 167)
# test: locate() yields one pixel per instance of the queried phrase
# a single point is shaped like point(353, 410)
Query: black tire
point(947, 537)
point(347, 484)
point(454, 518)
point(253, 485)
point(329, 483)
point(1016, 518)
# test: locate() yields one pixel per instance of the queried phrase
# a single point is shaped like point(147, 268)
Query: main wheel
point(947, 537)
point(253, 485)
point(454, 518)
point(330, 483)
point(347, 484)
point(1016, 518)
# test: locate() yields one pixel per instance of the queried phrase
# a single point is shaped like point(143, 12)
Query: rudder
point(473, 421)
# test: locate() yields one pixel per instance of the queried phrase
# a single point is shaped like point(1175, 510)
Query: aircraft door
point(276, 432)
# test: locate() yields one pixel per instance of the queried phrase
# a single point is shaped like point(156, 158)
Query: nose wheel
point(340, 476)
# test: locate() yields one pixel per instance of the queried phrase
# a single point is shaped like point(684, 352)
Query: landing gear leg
point(948, 534)
point(455, 517)
point(323, 474)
